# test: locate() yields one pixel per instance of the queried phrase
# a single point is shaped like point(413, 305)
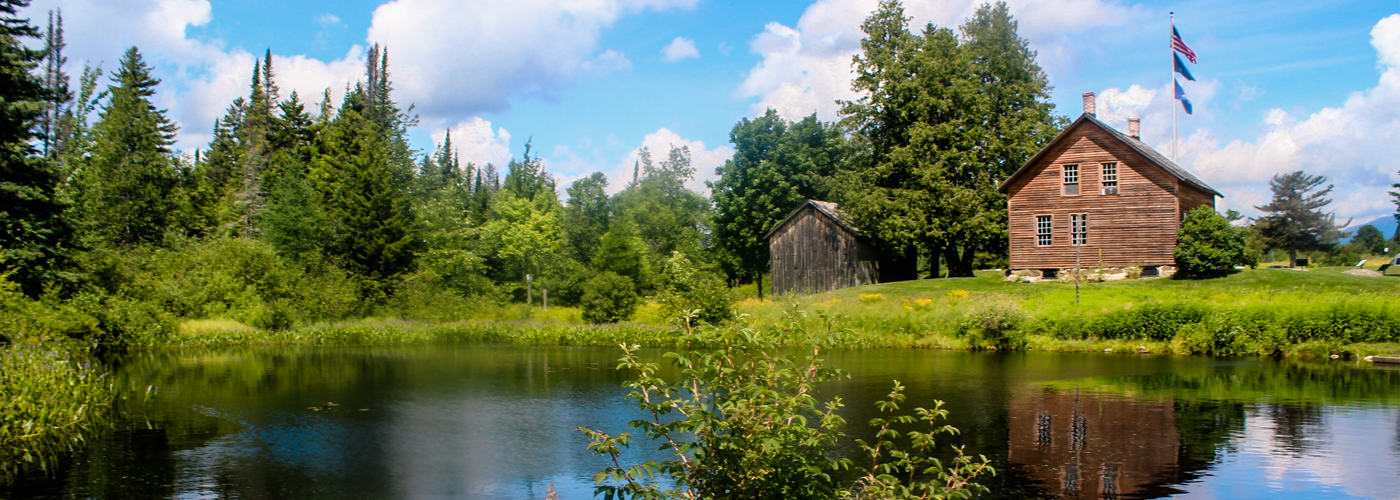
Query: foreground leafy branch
point(743, 422)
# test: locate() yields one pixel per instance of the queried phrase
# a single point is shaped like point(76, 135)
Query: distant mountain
point(1386, 224)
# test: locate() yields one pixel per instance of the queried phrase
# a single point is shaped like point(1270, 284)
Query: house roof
point(1151, 154)
point(826, 208)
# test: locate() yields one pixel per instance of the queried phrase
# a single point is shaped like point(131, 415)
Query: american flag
point(1181, 47)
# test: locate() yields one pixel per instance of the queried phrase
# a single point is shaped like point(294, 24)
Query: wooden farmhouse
point(817, 249)
point(1101, 192)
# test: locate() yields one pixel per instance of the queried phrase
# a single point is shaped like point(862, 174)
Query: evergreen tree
point(1396, 195)
point(60, 98)
point(33, 231)
point(128, 184)
point(527, 178)
point(1295, 220)
point(776, 167)
point(362, 174)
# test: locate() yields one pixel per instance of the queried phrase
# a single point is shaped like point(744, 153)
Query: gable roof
point(1146, 151)
point(826, 208)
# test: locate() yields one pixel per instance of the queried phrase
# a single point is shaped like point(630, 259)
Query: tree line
point(324, 206)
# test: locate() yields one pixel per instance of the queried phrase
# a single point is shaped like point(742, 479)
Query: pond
point(489, 422)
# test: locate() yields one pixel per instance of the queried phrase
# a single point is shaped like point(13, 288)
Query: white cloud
point(659, 143)
point(1355, 145)
point(807, 68)
point(678, 49)
point(452, 58)
point(457, 58)
point(477, 142)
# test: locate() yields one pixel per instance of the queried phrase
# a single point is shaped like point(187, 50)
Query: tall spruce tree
point(776, 167)
point(362, 173)
point(33, 232)
point(60, 98)
point(1295, 220)
point(128, 184)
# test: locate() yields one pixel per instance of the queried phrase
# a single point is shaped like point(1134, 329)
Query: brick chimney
point(1135, 128)
point(1089, 104)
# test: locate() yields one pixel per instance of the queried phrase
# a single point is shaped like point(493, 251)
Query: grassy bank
point(1253, 312)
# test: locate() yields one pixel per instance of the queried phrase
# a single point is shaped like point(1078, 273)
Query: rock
point(1142, 350)
point(1370, 359)
point(1110, 349)
point(1336, 356)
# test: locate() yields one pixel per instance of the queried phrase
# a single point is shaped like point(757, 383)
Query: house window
point(1071, 180)
point(1110, 178)
point(1078, 229)
point(1043, 236)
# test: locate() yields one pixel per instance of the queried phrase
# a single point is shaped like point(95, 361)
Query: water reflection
point(497, 422)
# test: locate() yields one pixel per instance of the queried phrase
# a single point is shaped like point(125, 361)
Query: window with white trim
point(1043, 235)
point(1109, 178)
point(1078, 229)
point(1071, 177)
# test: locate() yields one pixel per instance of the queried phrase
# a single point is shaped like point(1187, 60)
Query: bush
point(719, 420)
point(1148, 321)
point(996, 325)
point(1208, 245)
point(685, 288)
point(609, 298)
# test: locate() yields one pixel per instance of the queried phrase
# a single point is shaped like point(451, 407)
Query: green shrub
point(742, 422)
point(685, 288)
point(609, 298)
point(1208, 245)
point(1148, 321)
point(995, 325)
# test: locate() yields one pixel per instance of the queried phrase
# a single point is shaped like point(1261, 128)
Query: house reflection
point(1093, 445)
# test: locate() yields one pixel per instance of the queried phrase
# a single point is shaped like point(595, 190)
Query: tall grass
point(54, 399)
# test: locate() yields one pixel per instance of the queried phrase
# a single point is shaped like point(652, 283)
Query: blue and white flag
point(1181, 96)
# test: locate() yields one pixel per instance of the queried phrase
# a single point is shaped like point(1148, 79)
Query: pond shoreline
point(553, 333)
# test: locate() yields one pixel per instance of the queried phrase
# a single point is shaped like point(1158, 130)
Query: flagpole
point(1172, 50)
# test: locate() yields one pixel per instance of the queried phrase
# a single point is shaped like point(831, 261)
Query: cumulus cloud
point(1355, 144)
point(459, 58)
point(678, 49)
point(475, 141)
point(659, 143)
point(805, 69)
point(452, 58)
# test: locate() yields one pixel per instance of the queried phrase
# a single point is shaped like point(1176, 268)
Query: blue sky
point(1281, 85)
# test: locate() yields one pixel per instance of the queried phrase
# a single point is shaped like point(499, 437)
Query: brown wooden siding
point(1136, 227)
point(812, 253)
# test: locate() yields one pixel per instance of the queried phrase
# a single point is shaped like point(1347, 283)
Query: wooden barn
point(1103, 192)
point(817, 249)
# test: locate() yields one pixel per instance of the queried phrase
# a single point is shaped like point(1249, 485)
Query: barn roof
point(826, 208)
point(1151, 154)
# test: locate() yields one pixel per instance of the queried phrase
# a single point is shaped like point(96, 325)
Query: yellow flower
point(871, 297)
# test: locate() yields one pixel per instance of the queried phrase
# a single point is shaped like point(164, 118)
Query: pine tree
point(1295, 219)
point(127, 186)
point(527, 179)
point(363, 173)
point(60, 99)
point(33, 232)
